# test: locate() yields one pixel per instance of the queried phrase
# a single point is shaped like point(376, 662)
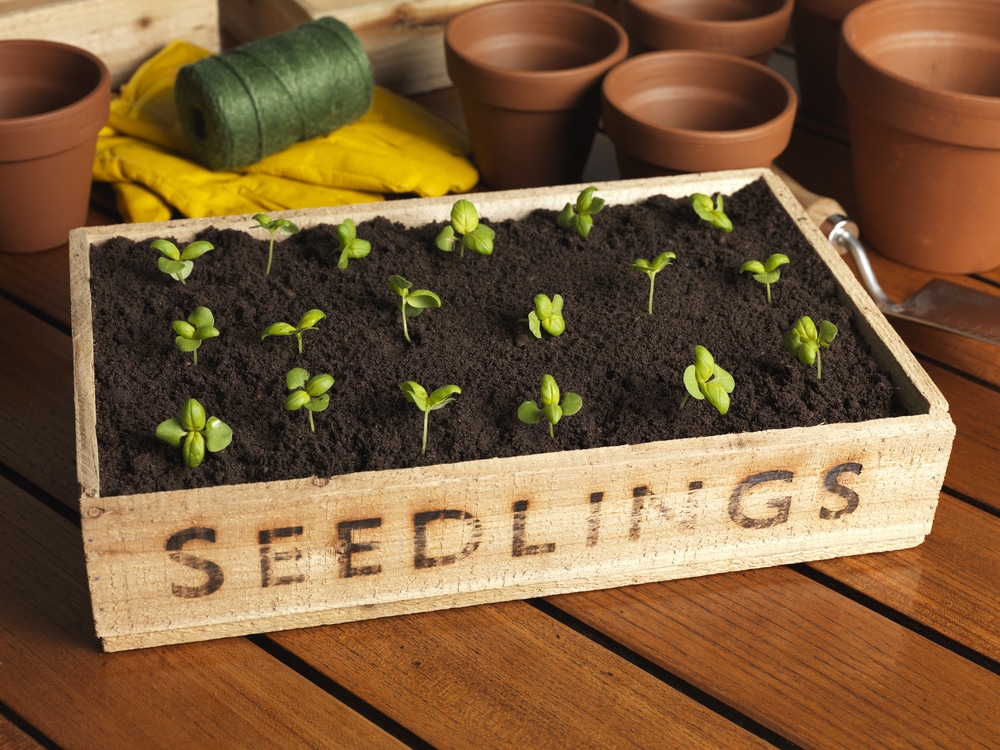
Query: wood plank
point(36, 422)
point(947, 583)
point(228, 693)
point(504, 676)
point(12, 738)
point(821, 670)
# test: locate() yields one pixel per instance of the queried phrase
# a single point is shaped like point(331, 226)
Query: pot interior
point(37, 81)
point(711, 10)
point(943, 45)
point(546, 37)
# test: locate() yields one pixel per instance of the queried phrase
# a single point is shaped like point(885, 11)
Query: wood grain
point(12, 738)
point(228, 694)
point(815, 667)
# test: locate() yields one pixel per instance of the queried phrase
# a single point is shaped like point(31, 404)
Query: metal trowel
point(939, 303)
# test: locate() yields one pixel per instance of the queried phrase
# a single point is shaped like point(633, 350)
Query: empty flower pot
point(747, 28)
point(529, 78)
point(921, 82)
point(688, 111)
point(54, 99)
point(816, 31)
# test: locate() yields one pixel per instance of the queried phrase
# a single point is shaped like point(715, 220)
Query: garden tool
point(939, 303)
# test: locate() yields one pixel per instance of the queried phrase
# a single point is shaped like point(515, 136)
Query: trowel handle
point(819, 207)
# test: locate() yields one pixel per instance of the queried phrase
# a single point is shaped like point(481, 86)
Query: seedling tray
point(176, 566)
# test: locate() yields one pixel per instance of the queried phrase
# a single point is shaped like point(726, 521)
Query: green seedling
point(200, 325)
point(309, 393)
point(306, 323)
point(351, 248)
point(580, 216)
point(805, 341)
point(466, 231)
point(553, 406)
point(177, 263)
point(274, 227)
point(651, 268)
point(713, 215)
point(428, 403)
point(766, 273)
point(412, 303)
point(548, 315)
point(194, 433)
point(706, 380)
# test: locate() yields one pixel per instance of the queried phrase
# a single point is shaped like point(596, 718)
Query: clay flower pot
point(53, 100)
point(688, 111)
point(816, 32)
point(747, 28)
point(924, 107)
point(529, 78)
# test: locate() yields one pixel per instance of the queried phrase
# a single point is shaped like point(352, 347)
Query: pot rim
point(651, 9)
point(924, 109)
point(460, 63)
point(89, 112)
point(737, 135)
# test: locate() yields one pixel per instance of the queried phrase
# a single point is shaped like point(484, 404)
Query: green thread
point(255, 100)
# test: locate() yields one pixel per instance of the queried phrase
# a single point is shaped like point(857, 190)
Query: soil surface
point(626, 364)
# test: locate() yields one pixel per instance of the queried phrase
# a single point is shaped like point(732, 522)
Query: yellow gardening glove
point(148, 180)
point(397, 147)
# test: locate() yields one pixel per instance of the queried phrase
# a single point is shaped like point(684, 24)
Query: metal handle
point(841, 235)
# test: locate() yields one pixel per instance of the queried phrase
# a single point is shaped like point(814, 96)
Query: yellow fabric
point(396, 147)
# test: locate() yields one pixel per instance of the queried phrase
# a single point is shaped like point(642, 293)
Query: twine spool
point(255, 100)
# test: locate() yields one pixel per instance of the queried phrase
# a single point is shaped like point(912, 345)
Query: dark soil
point(626, 364)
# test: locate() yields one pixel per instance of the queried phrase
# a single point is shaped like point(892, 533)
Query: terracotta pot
point(747, 28)
point(529, 78)
point(53, 100)
point(689, 111)
point(816, 32)
point(924, 104)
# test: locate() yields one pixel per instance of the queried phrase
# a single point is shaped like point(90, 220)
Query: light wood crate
point(404, 40)
point(190, 565)
point(123, 33)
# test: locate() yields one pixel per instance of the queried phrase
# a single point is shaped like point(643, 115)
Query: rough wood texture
point(404, 40)
point(179, 566)
point(123, 33)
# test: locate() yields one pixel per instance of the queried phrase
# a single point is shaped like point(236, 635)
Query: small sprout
point(548, 315)
point(714, 215)
point(581, 216)
point(465, 231)
point(553, 408)
point(309, 393)
point(766, 273)
point(438, 398)
point(706, 380)
point(804, 341)
point(176, 263)
point(200, 325)
point(651, 268)
point(197, 433)
point(412, 303)
point(306, 323)
point(273, 227)
point(351, 248)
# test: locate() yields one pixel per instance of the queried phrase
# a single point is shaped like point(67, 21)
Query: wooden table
point(899, 649)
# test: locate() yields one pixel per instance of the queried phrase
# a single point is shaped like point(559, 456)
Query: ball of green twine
point(255, 100)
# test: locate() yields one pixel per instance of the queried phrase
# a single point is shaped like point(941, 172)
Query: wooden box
point(123, 33)
point(404, 40)
point(169, 567)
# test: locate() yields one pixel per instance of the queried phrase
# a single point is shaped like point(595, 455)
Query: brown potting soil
point(627, 365)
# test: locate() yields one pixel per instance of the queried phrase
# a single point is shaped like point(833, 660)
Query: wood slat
point(229, 693)
point(506, 675)
point(12, 738)
point(37, 438)
point(817, 668)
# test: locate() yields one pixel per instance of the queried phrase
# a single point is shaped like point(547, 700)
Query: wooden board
point(190, 565)
point(404, 40)
point(123, 33)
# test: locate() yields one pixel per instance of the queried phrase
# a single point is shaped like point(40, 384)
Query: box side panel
point(84, 396)
point(200, 564)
